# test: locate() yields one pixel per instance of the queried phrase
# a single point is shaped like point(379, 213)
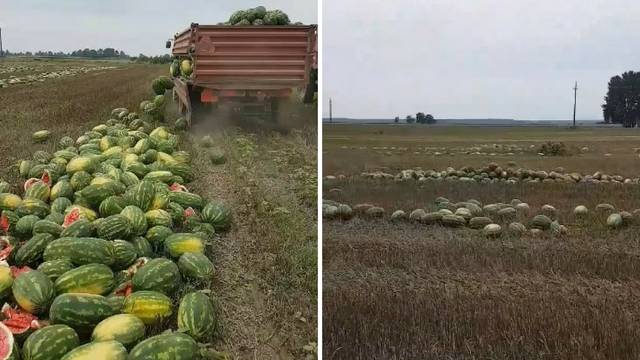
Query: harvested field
point(265, 266)
point(402, 289)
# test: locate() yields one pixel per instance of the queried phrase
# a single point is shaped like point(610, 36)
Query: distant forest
point(106, 53)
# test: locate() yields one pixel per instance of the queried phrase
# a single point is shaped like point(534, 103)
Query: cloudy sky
point(135, 26)
point(476, 58)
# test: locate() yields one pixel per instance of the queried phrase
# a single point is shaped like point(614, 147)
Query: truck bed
point(249, 57)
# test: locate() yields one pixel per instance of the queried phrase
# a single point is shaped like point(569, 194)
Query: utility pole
point(575, 99)
point(330, 110)
point(1, 52)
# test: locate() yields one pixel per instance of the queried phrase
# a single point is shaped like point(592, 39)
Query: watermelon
point(87, 279)
point(54, 268)
point(159, 274)
point(180, 243)
point(61, 189)
point(177, 212)
point(160, 200)
point(47, 227)
point(142, 247)
point(186, 199)
point(114, 227)
point(180, 124)
point(60, 204)
point(196, 266)
point(6, 281)
point(111, 206)
point(158, 87)
point(65, 142)
point(80, 180)
point(85, 212)
point(50, 343)
point(174, 68)
point(186, 68)
point(81, 250)
point(158, 217)
point(136, 218)
point(157, 234)
point(24, 168)
point(30, 253)
point(159, 175)
point(94, 194)
point(8, 348)
point(55, 217)
point(38, 190)
point(216, 214)
point(174, 346)
point(197, 316)
point(79, 228)
point(24, 226)
point(105, 350)
point(33, 291)
point(125, 254)
point(142, 195)
point(35, 207)
point(80, 311)
point(41, 136)
point(148, 306)
point(124, 328)
point(82, 163)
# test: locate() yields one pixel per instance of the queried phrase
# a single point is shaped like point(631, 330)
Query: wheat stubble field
point(421, 288)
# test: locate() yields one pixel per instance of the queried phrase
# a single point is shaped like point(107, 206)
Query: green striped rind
point(38, 190)
point(114, 227)
point(54, 268)
point(180, 243)
point(24, 226)
point(79, 228)
point(186, 199)
point(142, 195)
point(126, 329)
point(80, 180)
point(111, 206)
point(136, 218)
point(33, 291)
point(47, 227)
point(159, 175)
point(35, 207)
point(125, 254)
point(80, 311)
point(50, 343)
point(116, 302)
point(196, 266)
point(148, 306)
point(87, 279)
point(81, 250)
point(31, 251)
point(6, 280)
point(177, 212)
point(182, 170)
point(157, 234)
point(143, 247)
point(217, 214)
point(174, 346)
point(111, 350)
point(60, 204)
point(160, 275)
point(55, 217)
point(129, 179)
point(96, 193)
point(158, 217)
point(197, 316)
point(61, 189)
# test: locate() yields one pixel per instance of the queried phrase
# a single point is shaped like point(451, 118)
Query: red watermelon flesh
point(4, 223)
point(6, 342)
point(15, 271)
point(18, 321)
point(71, 217)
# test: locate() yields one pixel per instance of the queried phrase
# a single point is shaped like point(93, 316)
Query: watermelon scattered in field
point(41, 136)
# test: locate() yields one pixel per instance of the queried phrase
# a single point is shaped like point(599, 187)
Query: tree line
point(420, 118)
point(106, 53)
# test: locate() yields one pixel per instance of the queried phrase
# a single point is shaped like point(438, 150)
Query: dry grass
point(411, 291)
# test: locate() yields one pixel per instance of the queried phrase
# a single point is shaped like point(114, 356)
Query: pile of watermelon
point(104, 244)
point(258, 16)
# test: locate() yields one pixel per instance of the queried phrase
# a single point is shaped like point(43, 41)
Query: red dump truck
point(251, 68)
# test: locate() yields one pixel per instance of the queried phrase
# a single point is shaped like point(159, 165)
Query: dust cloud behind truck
point(251, 68)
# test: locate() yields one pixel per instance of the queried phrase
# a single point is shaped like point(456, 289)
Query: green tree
point(420, 118)
point(429, 119)
point(622, 102)
point(410, 119)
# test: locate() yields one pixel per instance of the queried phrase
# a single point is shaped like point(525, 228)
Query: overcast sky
point(135, 26)
point(476, 58)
